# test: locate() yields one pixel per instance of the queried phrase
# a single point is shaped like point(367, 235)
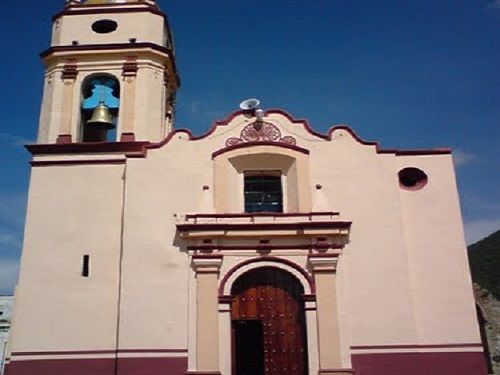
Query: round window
point(104, 26)
point(412, 178)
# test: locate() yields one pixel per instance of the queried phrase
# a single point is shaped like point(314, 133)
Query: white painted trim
point(247, 267)
point(192, 347)
point(312, 341)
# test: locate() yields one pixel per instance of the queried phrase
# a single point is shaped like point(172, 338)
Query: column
point(207, 269)
point(324, 268)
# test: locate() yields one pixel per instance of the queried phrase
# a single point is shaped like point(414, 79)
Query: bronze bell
point(101, 118)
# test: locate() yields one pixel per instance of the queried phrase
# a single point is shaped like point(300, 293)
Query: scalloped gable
point(289, 127)
point(231, 127)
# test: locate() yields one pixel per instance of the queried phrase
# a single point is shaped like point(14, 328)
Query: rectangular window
point(263, 191)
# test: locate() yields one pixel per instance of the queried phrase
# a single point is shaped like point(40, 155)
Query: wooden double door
point(268, 324)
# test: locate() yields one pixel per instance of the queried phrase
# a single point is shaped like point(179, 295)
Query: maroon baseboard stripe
point(436, 363)
point(151, 366)
point(62, 367)
point(111, 366)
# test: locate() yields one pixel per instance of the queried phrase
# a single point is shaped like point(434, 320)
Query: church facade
point(260, 247)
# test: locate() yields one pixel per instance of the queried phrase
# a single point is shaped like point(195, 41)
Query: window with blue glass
point(263, 192)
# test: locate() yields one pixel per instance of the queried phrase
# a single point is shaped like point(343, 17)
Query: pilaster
point(68, 76)
point(207, 269)
point(129, 73)
point(323, 267)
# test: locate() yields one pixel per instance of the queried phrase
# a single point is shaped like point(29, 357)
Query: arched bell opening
point(100, 108)
point(268, 324)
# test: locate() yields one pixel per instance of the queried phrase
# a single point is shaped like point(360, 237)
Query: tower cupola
point(108, 55)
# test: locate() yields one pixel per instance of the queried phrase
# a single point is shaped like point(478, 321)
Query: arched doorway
point(268, 324)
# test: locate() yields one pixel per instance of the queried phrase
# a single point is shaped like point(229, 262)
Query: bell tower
point(110, 74)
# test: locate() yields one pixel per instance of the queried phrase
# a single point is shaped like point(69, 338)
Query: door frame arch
point(225, 298)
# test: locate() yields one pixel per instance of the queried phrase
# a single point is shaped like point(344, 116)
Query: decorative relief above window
point(259, 131)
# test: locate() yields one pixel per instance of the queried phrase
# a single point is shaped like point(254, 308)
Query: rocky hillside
point(484, 259)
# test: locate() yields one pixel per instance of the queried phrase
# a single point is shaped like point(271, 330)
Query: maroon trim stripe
point(261, 143)
point(85, 352)
point(208, 256)
point(90, 147)
point(418, 346)
point(309, 297)
point(416, 152)
point(265, 226)
point(106, 47)
point(63, 352)
point(47, 163)
point(152, 351)
point(88, 9)
point(321, 246)
point(324, 255)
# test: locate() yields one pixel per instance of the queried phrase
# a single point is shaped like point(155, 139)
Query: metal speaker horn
point(101, 118)
point(249, 104)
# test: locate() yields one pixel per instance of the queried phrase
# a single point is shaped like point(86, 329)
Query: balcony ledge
point(319, 224)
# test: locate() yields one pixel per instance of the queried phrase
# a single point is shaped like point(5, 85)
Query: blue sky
point(410, 74)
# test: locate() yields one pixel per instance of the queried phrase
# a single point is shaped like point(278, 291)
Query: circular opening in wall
point(412, 178)
point(104, 26)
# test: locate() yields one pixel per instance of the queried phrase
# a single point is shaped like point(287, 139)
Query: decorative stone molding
point(259, 131)
point(64, 139)
point(130, 67)
point(70, 70)
point(323, 263)
point(225, 299)
point(70, 3)
point(127, 137)
point(206, 263)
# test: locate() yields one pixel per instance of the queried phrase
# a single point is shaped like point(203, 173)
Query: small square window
point(263, 191)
